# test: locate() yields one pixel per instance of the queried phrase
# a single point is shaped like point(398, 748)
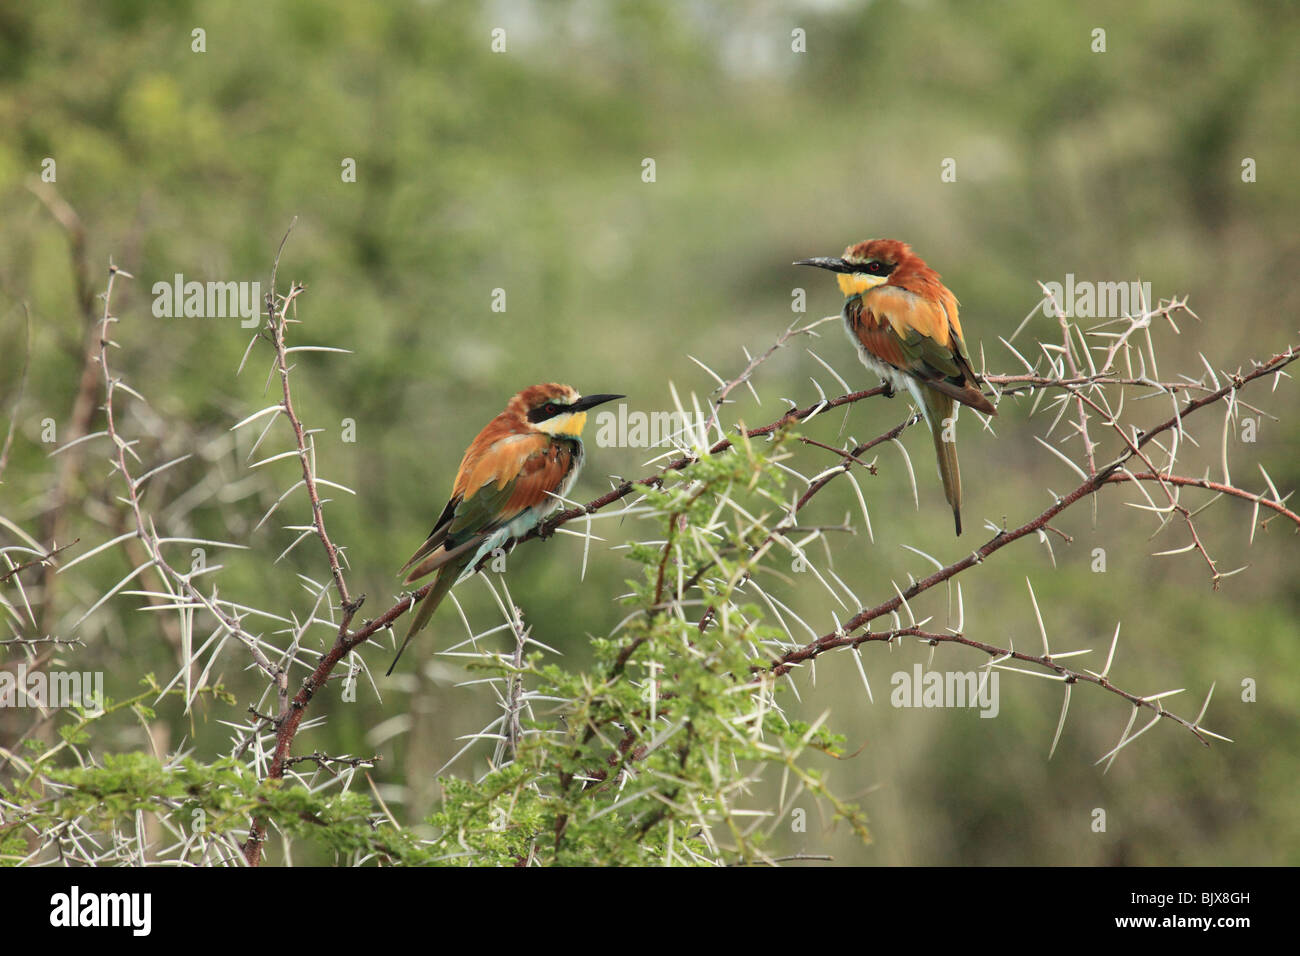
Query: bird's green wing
point(536, 469)
point(915, 335)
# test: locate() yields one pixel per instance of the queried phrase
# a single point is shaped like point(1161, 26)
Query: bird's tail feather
point(441, 585)
point(940, 413)
point(437, 558)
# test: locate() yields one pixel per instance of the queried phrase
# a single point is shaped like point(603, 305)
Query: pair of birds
point(901, 318)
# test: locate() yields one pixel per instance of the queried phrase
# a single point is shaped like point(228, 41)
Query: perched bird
point(904, 323)
point(506, 484)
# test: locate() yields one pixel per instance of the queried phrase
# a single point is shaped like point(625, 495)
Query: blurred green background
point(522, 170)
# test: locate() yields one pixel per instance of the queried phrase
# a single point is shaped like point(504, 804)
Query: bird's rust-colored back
point(509, 477)
point(499, 452)
point(910, 273)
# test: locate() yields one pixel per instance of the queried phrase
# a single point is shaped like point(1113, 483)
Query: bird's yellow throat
point(564, 426)
point(852, 283)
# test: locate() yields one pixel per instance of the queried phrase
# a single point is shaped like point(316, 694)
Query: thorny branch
point(144, 529)
point(1112, 473)
point(44, 560)
point(726, 388)
point(997, 655)
point(279, 320)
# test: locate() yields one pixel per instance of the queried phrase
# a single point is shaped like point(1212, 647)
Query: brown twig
point(726, 388)
point(1217, 486)
point(44, 559)
point(83, 404)
point(996, 654)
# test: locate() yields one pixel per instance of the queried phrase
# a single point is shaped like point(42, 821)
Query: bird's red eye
point(873, 268)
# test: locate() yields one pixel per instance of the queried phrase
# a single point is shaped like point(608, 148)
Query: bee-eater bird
point(512, 475)
point(904, 323)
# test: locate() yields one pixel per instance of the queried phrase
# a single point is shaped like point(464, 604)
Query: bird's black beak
point(828, 262)
point(591, 401)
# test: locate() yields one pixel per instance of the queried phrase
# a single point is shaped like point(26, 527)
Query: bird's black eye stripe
point(543, 412)
point(877, 268)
